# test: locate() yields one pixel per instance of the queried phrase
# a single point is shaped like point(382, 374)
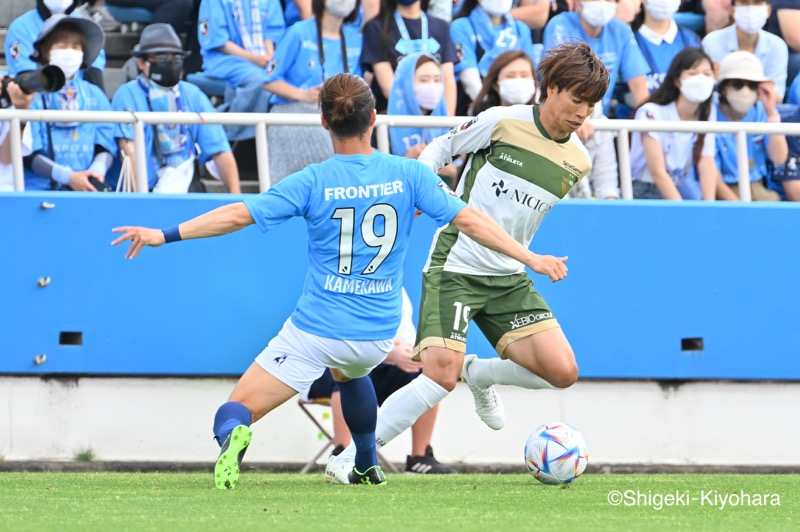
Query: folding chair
point(304, 405)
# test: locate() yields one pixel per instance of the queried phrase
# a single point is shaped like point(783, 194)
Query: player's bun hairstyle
point(573, 66)
point(347, 103)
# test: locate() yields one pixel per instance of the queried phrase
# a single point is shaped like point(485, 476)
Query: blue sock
point(360, 409)
point(229, 416)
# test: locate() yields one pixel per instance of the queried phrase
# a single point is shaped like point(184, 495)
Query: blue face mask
point(407, 2)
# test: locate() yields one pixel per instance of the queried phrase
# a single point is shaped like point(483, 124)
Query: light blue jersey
point(756, 148)
point(70, 144)
point(22, 33)
point(478, 42)
point(209, 138)
point(358, 210)
point(220, 21)
point(297, 58)
point(659, 56)
point(615, 46)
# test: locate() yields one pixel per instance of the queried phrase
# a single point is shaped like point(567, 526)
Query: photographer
point(18, 100)
point(69, 155)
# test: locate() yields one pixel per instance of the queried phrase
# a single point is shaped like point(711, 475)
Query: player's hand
point(553, 267)
point(401, 355)
point(139, 237)
point(18, 98)
point(80, 180)
point(586, 131)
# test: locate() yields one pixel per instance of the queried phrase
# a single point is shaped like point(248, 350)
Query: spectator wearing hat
point(747, 34)
point(172, 148)
point(747, 95)
point(24, 30)
point(69, 155)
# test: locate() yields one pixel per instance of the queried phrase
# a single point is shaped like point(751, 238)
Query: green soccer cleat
point(374, 476)
point(226, 470)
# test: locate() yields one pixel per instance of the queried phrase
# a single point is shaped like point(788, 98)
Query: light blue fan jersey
point(358, 210)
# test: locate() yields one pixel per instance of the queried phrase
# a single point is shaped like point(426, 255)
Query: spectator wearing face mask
point(312, 51)
point(69, 155)
point(660, 38)
point(172, 149)
point(22, 32)
point(747, 95)
point(417, 90)
point(746, 34)
point(673, 165)
point(610, 39)
point(482, 30)
point(509, 81)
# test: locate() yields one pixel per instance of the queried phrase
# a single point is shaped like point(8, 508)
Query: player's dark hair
point(573, 66)
point(488, 96)
point(669, 91)
point(318, 8)
point(347, 103)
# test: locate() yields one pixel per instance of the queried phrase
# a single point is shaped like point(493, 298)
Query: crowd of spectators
point(421, 57)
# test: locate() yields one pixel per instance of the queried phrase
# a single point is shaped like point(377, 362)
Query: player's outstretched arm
point(220, 221)
point(485, 231)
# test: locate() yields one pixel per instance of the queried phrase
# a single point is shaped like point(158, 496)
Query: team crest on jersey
point(650, 115)
point(271, 66)
point(447, 189)
point(462, 127)
point(203, 26)
point(567, 182)
point(14, 49)
point(460, 51)
point(311, 64)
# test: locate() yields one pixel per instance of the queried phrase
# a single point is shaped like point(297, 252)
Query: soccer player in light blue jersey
point(359, 207)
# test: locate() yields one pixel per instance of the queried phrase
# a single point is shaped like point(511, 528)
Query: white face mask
point(599, 13)
point(496, 7)
point(57, 6)
point(340, 8)
point(742, 100)
point(516, 90)
point(428, 95)
point(698, 88)
point(750, 19)
point(68, 60)
point(662, 9)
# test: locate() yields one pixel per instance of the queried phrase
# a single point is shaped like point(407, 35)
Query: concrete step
point(248, 187)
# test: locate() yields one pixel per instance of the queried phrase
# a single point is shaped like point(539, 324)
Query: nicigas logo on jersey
point(521, 197)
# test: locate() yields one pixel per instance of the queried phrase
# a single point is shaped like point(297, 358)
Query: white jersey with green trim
point(515, 174)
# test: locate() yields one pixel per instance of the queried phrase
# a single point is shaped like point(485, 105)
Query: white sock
point(401, 410)
point(486, 372)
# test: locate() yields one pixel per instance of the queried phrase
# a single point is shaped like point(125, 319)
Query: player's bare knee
point(565, 376)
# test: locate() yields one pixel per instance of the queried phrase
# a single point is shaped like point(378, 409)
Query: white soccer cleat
point(338, 469)
point(487, 403)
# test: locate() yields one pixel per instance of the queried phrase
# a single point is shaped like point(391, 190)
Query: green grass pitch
point(269, 501)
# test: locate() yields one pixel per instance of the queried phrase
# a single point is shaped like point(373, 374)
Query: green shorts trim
point(505, 308)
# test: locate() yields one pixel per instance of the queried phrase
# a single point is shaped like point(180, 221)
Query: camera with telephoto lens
point(49, 78)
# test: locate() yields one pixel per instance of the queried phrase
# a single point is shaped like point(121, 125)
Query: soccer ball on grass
point(556, 453)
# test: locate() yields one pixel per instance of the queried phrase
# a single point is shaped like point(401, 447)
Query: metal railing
point(383, 123)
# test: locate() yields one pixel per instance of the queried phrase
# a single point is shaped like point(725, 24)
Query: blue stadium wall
point(656, 290)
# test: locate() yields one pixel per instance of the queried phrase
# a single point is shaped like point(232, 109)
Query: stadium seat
point(325, 402)
point(691, 21)
point(127, 15)
point(210, 86)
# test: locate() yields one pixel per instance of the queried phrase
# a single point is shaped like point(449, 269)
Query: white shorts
point(298, 358)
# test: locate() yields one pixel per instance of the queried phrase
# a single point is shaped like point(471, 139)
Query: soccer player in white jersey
point(359, 207)
point(523, 159)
